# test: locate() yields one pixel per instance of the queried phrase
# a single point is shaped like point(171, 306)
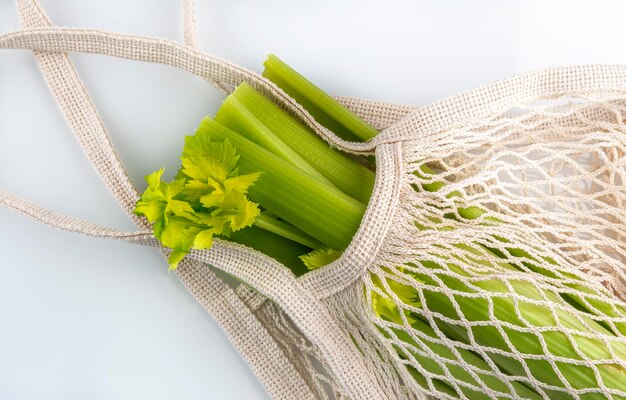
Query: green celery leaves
point(207, 198)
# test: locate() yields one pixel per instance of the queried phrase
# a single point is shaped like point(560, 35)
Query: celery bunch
point(208, 198)
point(256, 175)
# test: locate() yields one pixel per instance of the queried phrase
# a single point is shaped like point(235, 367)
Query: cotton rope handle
point(243, 329)
point(190, 28)
point(312, 318)
point(453, 111)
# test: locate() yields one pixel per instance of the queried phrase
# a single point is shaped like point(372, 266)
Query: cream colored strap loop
point(190, 32)
point(261, 272)
point(364, 247)
point(82, 116)
point(67, 223)
point(222, 73)
point(487, 100)
point(246, 332)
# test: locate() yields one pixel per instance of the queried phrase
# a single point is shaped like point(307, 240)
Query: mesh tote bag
point(490, 263)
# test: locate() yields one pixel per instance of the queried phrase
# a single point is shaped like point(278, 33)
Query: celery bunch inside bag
point(496, 316)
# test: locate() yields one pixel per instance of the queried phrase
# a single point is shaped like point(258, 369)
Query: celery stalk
point(591, 305)
point(286, 231)
point(235, 116)
point(282, 250)
point(458, 372)
point(440, 386)
point(325, 213)
point(540, 316)
point(326, 110)
point(345, 173)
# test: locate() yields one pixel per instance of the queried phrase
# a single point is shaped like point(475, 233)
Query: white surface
point(86, 318)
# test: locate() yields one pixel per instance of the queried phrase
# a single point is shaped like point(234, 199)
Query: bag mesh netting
point(502, 276)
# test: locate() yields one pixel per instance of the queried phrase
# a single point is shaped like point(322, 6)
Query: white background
point(82, 318)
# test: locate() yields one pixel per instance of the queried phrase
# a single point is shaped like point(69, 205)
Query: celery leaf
point(319, 258)
point(206, 198)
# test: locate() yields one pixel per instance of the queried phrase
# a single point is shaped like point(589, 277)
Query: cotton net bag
point(490, 263)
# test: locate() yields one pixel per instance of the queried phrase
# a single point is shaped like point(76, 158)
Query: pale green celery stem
point(345, 173)
point(283, 250)
point(458, 372)
point(322, 211)
point(504, 309)
point(287, 231)
point(438, 384)
point(235, 116)
point(326, 110)
point(530, 291)
point(614, 377)
point(600, 306)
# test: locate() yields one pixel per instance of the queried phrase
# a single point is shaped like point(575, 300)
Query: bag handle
point(266, 359)
point(214, 70)
point(486, 100)
point(307, 313)
point(190, 30)
point(71, 224)
point(324, 282)
point(219, 72)
point(259, 271)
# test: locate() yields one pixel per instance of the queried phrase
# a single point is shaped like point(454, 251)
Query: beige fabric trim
point(260, 272)
point(357, 258)
point(221, 73)
point(190, 32)
point(68, 223)
point(444, 114)
point(200, 64)
point(381, 115)
point(243, 329)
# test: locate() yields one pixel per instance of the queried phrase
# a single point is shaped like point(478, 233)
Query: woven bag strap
point(240, 325)
point(259, 271)
point(221, 73)
point(190, 28)
point(420, 122)
point(277, 283)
